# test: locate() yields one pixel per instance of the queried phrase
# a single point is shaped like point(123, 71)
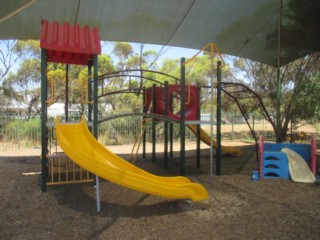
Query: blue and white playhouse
point(288, 161)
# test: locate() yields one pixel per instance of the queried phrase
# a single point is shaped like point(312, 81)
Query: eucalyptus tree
point(300, 82)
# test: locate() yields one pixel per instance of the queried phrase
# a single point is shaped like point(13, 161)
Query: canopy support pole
point(182, 117)
point(279, 82)
point(219, 105)
point(211, 117)
point(95, 120)
point(44, 136)
point(66, 103)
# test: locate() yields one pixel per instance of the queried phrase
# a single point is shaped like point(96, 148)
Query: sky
point(168, 52)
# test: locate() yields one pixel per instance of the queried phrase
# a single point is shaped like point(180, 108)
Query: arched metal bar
point(130, 75)
point(117, 73)
point(134, 91)
point(244, 88)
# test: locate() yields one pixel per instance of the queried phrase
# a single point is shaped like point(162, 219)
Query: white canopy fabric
point(245, 28)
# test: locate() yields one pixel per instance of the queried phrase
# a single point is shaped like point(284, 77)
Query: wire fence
point(19, 132)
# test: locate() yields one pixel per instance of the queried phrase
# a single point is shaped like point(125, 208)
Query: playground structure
point(288, 161)
point(74, 45)
point(83, 152)
point(67, 45)
point(159, 103)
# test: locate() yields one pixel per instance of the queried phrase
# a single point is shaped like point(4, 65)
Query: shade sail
point(245, 28)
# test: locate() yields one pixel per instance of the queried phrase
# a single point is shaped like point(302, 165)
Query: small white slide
point(298, 168)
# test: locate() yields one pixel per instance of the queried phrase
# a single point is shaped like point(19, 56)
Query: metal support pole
point(232, 122)
point(144, 110)
point(253, 120)
point(198, 127)
point(98, 193)
point(218, 163)
point(278, 103)
point(153, 123)
point(257, 144)
point(182, 118)
point(279, 82)
point(66, 104)
point(19, 130)
point(291, 132)
point(166, 105)
point(95, 119)
point(171, 139)
point(89, 91)
point(43, 120)
point(95, 97)
point(211, 118)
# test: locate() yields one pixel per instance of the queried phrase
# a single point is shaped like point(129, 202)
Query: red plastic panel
point(69, 44)
point(191, 101)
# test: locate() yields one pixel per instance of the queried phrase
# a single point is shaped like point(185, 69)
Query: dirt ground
point(237, 208)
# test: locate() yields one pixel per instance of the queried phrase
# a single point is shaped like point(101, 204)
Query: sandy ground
point(237, 208)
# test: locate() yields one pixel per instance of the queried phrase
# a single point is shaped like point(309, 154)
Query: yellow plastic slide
point(298, 168)
point(206, 139)
point(78, 144)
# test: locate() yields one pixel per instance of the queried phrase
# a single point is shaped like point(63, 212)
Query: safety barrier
point(62, 170)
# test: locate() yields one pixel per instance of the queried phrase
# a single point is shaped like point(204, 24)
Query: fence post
point(166, 137)
point(232, 126)
point(19, 129)
point(154, 99)
point(182, 117)
point(253, 122)
point(144, 124)
point(198, 139)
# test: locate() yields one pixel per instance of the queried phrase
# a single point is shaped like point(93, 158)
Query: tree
point(105, 64)
point(7, 57)
point(299, 85)
point(11, 53)
point(128, 60)
point(26, 85)
point(56, 85)
point(309, 99)
point(122, 50)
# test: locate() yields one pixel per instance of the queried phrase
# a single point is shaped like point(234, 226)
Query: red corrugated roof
point(69, 44)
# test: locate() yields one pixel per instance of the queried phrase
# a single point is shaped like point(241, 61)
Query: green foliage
point(308, 99)
point(299, 90)
point(27, 128)
point(105, 64)
point(122, 50)
point(56, 79)
point(120, 131)
point(24, 84)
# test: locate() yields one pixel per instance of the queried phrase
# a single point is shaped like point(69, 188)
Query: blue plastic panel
point(275, 165)
point(302, 149)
